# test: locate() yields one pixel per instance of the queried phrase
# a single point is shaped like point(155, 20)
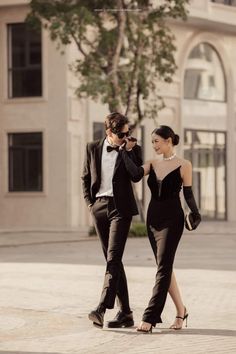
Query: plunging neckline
point(161, 180)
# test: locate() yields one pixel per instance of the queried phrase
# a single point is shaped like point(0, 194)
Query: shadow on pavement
point(197, 331)
point(203, 332)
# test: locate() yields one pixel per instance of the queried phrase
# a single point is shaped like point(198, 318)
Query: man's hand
point(130, 143)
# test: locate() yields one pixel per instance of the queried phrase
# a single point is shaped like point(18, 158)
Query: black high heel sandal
point(182, 318)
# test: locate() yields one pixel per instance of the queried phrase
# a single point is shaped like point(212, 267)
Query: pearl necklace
point(169, 158)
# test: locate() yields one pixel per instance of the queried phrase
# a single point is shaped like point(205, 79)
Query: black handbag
point(191, 222)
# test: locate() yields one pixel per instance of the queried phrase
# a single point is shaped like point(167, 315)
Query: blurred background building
point(44, 128)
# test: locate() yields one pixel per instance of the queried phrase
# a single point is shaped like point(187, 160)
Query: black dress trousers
point(112, 230)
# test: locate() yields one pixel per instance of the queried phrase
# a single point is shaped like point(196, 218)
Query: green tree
point(125, 47)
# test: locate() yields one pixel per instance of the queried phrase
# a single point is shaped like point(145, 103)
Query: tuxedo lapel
point(118, 161)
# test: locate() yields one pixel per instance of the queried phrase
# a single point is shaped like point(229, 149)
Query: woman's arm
point(188, 192)
point(136, 172)
point(186, 172)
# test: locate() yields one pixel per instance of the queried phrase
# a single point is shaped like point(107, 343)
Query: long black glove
point(190, 200)
point(136, 172)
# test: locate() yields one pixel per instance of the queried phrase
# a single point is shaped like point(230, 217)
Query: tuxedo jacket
point(122, 187)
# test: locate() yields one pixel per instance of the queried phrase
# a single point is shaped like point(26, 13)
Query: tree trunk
point(112, 72)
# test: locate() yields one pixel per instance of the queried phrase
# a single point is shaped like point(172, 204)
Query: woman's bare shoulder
point(184, 163)
point(186, 166)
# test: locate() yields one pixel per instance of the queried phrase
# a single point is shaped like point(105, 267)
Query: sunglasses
point(121, 135)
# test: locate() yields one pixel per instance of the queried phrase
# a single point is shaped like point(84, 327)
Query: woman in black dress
point(165, 220)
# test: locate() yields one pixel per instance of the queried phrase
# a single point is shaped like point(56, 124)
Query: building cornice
point(4, 3)
point(210, 14)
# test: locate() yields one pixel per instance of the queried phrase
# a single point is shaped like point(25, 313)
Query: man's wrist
point(122, 147)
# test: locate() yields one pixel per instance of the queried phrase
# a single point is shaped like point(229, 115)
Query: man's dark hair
point(115, 121)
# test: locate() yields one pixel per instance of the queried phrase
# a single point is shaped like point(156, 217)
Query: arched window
point(205, 127)
point(204, 75)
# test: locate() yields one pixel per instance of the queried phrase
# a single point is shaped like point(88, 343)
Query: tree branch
point(77, 42)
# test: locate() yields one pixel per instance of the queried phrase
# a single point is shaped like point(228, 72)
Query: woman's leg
point(166, 241)
point(177, 299)
point(146, 326)
point(175, 295)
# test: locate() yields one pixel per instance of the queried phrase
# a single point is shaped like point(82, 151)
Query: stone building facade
point(44, 128)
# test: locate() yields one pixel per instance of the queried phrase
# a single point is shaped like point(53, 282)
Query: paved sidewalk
point(47, 289)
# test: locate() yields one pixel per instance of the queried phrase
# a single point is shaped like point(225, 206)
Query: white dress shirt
point(107, 169)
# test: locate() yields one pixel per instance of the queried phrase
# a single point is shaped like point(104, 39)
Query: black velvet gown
point(165, 222)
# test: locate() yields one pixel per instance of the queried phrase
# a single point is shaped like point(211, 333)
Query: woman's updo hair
point(166, 132)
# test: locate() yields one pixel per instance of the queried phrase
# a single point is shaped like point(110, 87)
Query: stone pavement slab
point(47, 291)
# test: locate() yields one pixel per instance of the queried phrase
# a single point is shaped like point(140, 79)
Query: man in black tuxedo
point(109, 195)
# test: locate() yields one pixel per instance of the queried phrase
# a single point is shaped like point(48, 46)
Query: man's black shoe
point(97, 317)
point(121, 320)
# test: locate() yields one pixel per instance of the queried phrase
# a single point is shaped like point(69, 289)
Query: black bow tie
point(111, 148)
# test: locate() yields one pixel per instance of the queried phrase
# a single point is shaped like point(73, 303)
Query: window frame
point(19, 18)
point(26, 68)
point(31, 192)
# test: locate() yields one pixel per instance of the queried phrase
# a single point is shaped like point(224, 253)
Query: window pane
point(25, 72)
point(16, 170)
point(34, 174)
point(98, 131)
point(18, 36)
point(25, 139)
point(187, 137)
point(34, 48)
point(26, 83)
point(204, 76)
point(25, 162)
